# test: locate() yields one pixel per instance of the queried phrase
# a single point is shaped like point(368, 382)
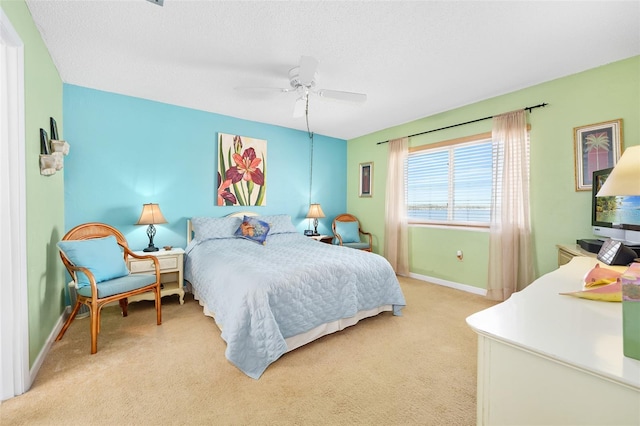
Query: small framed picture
point(596, 147)
point(366, 179)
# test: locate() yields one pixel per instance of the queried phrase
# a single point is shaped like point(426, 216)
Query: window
point(450, 184)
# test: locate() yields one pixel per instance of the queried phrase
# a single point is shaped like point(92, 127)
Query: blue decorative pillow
point(279, 224)
point(253, 229)
point(209, 228)
point(102, 256)
point(348, 231)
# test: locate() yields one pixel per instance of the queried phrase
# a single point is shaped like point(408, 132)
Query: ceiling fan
point(302, 80)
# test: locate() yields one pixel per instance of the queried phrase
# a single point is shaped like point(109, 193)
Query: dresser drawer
point(147, 265)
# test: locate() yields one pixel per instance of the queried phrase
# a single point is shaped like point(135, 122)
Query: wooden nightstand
point(323, 238)
point(171, 272)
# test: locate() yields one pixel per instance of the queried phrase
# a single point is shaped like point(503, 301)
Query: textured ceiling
point(412, 59)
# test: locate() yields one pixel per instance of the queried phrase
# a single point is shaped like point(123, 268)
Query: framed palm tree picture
point(596, 147)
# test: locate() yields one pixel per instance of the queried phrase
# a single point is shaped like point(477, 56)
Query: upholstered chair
point(95, 254)
point(347, 232)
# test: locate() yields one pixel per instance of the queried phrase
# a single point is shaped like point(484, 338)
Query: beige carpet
point(416, 369)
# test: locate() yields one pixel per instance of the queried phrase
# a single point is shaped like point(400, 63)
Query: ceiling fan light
point(296, 81)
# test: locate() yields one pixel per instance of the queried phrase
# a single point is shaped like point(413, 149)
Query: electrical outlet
point(459, 255)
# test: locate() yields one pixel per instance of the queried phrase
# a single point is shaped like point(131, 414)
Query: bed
point(274, 294)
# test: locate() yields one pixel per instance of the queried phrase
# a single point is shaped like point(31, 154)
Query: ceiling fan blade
point(342, 96)
point(307, 72)
point(299, 107)
point(263, 89)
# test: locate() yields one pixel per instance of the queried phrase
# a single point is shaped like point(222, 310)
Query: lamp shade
point(150, 215)
point(315, 211)
point(625, 176)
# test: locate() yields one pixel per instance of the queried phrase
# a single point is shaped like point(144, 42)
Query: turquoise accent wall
point(44, 194)
point(128, 151)
point(559, 213)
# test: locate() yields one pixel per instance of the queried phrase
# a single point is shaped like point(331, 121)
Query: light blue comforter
point(262, 294)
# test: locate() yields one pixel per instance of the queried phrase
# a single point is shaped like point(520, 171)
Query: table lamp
point(315, 211)
point(624, 179)
point(151, 215)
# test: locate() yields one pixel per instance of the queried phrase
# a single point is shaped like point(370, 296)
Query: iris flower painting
point(241, 171)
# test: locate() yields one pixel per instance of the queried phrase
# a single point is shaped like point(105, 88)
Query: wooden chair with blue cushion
point(347, 232)
point(95, 254)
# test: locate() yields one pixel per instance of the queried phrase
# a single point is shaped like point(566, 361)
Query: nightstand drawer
point(147, 265)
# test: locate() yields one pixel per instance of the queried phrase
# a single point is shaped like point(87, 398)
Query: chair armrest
point(369, 235)
point(128, 251)
point(89, 274)
point(338, 237)
point(156, 262)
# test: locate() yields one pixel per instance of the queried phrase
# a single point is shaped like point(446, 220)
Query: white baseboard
point(33, 372)
point(457, 286)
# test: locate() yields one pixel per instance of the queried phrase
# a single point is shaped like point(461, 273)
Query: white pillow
point(279, 224)
point(209, 228)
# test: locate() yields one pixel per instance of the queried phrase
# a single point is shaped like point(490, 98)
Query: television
point(616, 217)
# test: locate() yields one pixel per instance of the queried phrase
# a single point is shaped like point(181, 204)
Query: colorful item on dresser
point(600, 276)
point(604, 284)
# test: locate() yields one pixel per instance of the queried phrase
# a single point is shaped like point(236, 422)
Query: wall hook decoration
point(47, 161)
point(52, 151)
point(57, 145)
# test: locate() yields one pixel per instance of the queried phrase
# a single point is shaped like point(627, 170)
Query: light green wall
point(560, 215)
point(45, 195)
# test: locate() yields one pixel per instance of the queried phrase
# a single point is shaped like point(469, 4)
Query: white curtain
point(396, 240)
point(510, 253)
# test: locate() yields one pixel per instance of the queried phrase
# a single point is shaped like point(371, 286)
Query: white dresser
point(551, 359)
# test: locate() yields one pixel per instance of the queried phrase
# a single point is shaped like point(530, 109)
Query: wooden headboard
point(236, 214)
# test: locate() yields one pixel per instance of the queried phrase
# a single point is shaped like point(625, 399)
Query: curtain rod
point(468, 122)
